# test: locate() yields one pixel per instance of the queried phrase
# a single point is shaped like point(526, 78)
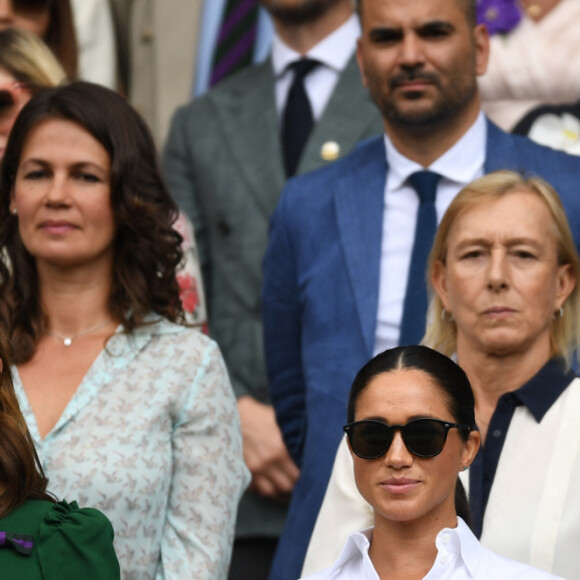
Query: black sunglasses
point(370, 439)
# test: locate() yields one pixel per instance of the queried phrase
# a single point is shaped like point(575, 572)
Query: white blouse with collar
point(459, 557)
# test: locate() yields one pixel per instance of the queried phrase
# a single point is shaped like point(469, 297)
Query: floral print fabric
point(152, 438)
point(189, 274)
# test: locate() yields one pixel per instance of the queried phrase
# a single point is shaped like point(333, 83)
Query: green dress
point(42, 540)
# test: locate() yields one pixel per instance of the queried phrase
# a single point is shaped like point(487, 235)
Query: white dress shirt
point(333, 52)
point(459, 557)
point(458, 166)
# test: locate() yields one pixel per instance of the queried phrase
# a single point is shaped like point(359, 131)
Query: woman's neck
point(492, 375)
point(74, 301)
point(406, 550)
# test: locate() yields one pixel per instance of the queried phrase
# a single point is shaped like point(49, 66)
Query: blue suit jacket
point(320, 300)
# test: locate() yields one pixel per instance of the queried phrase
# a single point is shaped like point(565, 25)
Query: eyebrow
point(387, 32)
point(411, 418)
point(435, 26)
point(509, 242)
point(76, 165)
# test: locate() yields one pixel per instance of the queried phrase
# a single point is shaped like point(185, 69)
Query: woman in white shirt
point(411, 430)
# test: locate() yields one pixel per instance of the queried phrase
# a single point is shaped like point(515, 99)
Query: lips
point(400, 485)
point(57, 227)
point(413, 85)
point(413, 82)
point(499, 312)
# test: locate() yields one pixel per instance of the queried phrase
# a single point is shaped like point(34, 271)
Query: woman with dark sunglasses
point(506, 277)
point(411, 431)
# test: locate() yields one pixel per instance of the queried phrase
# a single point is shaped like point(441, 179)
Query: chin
point(503, 348)
point(400, 510)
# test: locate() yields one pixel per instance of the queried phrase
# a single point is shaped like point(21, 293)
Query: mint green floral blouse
point(152, 439)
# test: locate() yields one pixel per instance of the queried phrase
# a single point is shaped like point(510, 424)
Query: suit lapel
point(500, 153)
point(247, 113)
point(359, 209)
point(348, 117)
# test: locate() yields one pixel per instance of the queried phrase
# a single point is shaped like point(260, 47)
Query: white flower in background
point(559, 132)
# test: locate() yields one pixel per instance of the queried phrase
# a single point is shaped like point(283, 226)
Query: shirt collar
point(458, 164)
point(121, 342)
point(459, 540)
point(356, 545)
point(334, 51)
point(462, 541)
point(544, 388)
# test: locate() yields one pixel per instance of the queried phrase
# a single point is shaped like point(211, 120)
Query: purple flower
point(500, 16)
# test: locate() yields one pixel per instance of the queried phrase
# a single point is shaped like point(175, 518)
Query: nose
point(6, 14)
point(498, 272)
point(411, 53)
point(398, 456)
point(56, 194)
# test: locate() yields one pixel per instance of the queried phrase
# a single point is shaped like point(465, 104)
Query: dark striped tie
point(236, 38)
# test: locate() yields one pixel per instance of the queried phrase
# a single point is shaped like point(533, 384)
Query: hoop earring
point(559, 313)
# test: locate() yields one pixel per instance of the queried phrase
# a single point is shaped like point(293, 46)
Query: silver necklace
point(68, 340)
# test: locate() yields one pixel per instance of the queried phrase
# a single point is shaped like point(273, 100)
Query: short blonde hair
point(29, 60)
point(565, 331)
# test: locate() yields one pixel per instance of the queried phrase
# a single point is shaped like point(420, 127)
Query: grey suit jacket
point(223, 164)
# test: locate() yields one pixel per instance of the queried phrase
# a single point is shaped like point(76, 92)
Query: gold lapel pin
point(330, 151)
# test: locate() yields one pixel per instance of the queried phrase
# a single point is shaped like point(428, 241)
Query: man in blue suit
point(342, 239)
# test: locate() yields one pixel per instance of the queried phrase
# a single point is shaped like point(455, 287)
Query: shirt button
point(444, 559)
point(497, 433)
point(445, 538)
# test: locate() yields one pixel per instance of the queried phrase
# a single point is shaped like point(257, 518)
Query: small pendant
point(67, 341)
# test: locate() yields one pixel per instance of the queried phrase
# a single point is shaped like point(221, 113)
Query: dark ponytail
point(462, 503)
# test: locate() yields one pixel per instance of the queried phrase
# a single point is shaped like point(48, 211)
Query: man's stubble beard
point(307, 11)
point(449, 104)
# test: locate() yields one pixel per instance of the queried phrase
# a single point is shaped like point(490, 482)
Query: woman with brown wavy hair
point(131, 411)
point(40, 538)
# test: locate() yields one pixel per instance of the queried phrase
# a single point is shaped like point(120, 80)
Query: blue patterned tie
point(415, 305)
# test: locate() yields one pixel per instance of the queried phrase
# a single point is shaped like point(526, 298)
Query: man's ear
point(481, 40)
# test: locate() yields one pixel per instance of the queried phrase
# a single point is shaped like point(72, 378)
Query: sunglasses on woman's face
point(370, 439)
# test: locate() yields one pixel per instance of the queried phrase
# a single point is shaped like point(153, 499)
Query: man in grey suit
point(225, 166)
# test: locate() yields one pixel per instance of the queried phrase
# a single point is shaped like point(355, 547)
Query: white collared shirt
point(458, 166)
point(333, 52)
point(459, 557)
